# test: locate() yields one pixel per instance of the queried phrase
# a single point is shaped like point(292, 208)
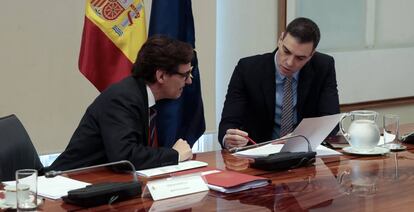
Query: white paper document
point(56, 187)
point(176, 186)
point(314, 129)
point(262, 151)
point(191, 164)
point(268, 149)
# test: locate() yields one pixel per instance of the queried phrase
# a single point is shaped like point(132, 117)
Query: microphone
point(237, 149)
point(282, 160)
point(101, 193)
point(53, 173)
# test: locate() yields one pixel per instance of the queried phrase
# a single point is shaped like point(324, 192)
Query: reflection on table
point(340, 183)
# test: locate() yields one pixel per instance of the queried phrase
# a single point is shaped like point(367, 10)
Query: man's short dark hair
point(161, 52)
point(304, 30)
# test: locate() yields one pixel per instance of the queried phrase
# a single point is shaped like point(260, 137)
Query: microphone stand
point(101, 193)
point(53, 173)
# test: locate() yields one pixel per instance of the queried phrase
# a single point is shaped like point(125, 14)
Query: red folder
point(227, 181)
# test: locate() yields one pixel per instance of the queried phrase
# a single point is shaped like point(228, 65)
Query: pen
point(251, 140)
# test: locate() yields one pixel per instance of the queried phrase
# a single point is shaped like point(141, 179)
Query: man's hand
point(235, 138)
point(183, 149)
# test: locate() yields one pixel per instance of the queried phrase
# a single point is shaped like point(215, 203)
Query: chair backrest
point(16, 149)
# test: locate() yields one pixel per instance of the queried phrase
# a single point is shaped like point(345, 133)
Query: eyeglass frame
point(185, 75)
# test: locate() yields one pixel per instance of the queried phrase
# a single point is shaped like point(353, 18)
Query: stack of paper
point(54, 188)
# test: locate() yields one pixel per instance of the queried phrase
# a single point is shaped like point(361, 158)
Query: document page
point(314, 129)
point(56, 187)
point(268, 149)
point(262, 151)
point(191, 164)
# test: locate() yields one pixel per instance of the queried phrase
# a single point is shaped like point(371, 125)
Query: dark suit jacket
point(115, 127)
point(250, 100)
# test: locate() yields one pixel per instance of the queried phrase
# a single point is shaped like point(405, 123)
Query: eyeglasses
point(185, 75)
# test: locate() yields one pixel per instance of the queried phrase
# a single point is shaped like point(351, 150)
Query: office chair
point(16, 149)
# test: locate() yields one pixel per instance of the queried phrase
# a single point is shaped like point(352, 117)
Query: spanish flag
point(113, 33)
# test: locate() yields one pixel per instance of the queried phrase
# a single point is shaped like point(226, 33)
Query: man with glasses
point(119, 124)
point(269, 94)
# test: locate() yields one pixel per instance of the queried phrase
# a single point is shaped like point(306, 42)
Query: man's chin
point(179, 94)
point(287, 73)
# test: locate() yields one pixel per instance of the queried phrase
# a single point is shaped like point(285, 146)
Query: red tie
point(152, 138)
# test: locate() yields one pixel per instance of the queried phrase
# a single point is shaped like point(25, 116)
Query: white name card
point(176, 186)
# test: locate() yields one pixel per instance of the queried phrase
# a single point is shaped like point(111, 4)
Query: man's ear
point(281, 36)
point(160, 76)
point(279, 41)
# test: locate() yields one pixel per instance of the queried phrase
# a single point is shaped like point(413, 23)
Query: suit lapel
point(304, 85)
point(269, 84)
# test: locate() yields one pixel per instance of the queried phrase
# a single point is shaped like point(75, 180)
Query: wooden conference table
point(339, 183)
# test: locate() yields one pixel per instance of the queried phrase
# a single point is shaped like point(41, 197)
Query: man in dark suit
point(269, 94)
point(116, 126)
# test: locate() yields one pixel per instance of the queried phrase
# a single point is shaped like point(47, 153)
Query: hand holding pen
point(250, 140)
point(236, 138)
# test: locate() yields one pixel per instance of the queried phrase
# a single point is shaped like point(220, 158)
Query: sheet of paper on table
point(56, 187)
point(191, 164)
point(268, 149)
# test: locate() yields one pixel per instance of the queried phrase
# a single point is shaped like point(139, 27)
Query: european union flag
point(184, 117)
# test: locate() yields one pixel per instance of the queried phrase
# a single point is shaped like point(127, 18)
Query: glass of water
point(26, 189)
point(391, 124)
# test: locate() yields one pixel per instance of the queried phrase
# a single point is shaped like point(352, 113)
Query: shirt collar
point(280, 76)
point(151, 98)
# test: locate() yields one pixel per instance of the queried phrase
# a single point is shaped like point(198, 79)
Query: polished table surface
point(339, 183)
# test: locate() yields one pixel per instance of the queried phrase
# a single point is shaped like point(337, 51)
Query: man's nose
point(189, 80)
point(289, 61)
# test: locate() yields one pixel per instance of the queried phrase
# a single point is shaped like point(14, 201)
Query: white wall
point(40, 81)
point(405, 112)
point(204, 13)
point(374, 74)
